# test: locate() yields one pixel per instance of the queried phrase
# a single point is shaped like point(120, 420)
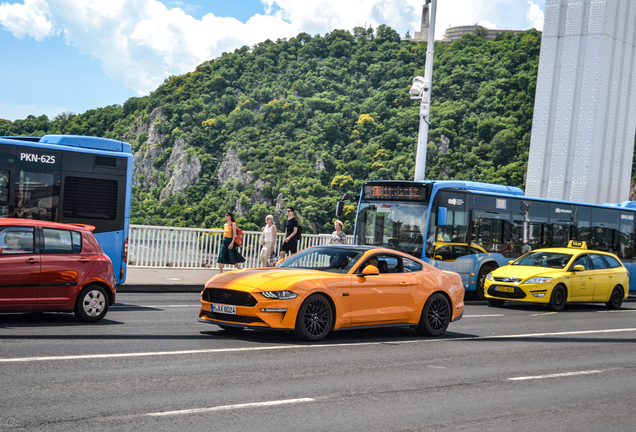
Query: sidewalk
point(153, 280)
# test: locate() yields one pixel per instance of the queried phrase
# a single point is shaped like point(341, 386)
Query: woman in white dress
point(268, 240)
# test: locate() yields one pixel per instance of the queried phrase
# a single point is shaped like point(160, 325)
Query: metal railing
point(170, 247)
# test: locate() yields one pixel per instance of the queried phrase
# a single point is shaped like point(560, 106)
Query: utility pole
point(421, 89)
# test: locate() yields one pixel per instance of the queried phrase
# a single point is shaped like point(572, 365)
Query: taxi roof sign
point(577, 244)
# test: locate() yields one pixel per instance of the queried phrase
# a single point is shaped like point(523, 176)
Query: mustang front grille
point(228, 297)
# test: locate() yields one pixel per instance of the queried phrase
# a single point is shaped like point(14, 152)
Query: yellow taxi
point(557, 276)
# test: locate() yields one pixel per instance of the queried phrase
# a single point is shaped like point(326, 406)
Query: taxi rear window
point(544, 259)
point(611, 261)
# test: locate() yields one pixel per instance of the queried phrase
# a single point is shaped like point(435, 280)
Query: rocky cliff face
point(180, 169)
point(232, 169)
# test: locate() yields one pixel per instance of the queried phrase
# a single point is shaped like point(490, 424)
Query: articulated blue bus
point(71, 179)
point(472, 228)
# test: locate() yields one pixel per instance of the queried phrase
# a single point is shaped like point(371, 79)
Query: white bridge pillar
point(584, 123)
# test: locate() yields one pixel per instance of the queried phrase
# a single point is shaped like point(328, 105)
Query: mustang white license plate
point(231, 310)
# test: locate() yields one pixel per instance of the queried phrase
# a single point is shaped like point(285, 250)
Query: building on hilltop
point(452, 33)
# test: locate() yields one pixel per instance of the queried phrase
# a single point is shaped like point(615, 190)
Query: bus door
point(5, 192)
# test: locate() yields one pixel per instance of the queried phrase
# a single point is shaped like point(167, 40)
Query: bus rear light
point(125, 252)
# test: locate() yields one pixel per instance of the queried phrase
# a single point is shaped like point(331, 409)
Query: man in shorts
point(290, 243)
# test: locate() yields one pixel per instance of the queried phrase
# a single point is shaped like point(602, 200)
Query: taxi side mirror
point(438, 257)
point(369, 271)
point(579, 268)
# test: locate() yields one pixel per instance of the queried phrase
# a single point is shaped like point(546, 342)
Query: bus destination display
point(395, 192)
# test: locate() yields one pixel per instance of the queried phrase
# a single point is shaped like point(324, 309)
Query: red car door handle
point(32, 260)
point(83, 260)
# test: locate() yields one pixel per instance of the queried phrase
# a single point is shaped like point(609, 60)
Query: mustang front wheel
point(435, 316)
point(315, 319)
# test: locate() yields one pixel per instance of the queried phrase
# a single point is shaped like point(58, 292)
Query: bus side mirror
point(441, 216)
point(579, 268)
point(339, 208)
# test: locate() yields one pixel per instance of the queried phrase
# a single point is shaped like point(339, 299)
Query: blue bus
point(71, 179)
point(472, 228)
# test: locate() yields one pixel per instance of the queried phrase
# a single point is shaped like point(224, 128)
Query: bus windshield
point(394, 224)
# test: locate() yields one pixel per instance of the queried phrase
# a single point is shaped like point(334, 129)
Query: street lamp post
point(421, 90)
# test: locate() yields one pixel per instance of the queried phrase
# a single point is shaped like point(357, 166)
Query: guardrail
point(170, 247)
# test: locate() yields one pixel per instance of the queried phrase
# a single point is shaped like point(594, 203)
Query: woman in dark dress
point(229, 253)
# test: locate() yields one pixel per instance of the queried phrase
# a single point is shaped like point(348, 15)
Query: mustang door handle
point(404, 284)
point(32, 261)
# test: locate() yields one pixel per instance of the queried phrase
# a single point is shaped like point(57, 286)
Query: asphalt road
point(149, 365)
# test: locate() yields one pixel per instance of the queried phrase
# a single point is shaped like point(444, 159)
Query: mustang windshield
point(544, 259)
point(393, 224)
point(329, 259)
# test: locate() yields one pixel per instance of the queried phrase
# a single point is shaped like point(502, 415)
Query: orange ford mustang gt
point(325, 288)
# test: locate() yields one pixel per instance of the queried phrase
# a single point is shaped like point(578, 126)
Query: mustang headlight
point(538, 280)
point(489, 276)
point(279, 295)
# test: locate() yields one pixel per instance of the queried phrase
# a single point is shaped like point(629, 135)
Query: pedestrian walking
point(229, 253)
point(290, 244)
point(268, 240)
point(338, 236)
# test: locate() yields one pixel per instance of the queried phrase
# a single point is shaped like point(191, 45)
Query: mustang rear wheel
point(616, 299)
point(315, 319)
point(436, 316)
point(91, 304)
point(558, 298)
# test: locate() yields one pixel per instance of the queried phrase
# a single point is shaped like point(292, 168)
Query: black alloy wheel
point(558, 298)
point(315, 319)
point(616, 299)
point(436, 316)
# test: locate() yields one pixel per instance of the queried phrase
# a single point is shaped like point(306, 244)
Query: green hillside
point(298, 122)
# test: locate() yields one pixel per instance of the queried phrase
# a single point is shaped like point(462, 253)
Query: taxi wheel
point(496, 302)
point(558, 298)
point(315, 319)
point(616, 299)
point(436, 316)
point(481, 281)
point(91, 304)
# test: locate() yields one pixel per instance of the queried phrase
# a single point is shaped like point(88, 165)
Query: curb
point(159, 288)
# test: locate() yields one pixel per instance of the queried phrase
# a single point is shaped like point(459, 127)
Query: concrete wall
point(584, 123)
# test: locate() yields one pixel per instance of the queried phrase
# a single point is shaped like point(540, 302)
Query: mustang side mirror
point(369, 270)
point(579, 268)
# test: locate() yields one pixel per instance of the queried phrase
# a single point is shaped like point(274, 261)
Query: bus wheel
point(616, 299)
point(481, 279)
point(558, 298)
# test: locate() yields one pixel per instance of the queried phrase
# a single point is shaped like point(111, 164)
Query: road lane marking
point(557, 375)
point(284, 347)
point(546, 313)
point(482, 316)
point(231, 407)
point(617, 311)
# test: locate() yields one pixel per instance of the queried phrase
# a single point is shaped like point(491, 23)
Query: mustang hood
point(272, 278)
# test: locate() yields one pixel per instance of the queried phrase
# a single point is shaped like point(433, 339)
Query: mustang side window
point(411, 266)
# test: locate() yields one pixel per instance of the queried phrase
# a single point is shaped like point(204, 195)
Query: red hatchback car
point(54, 267)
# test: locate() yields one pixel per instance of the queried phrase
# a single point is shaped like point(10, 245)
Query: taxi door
point(382, 298)
point(64, 267)
point(582, 285)
point(603, 278)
